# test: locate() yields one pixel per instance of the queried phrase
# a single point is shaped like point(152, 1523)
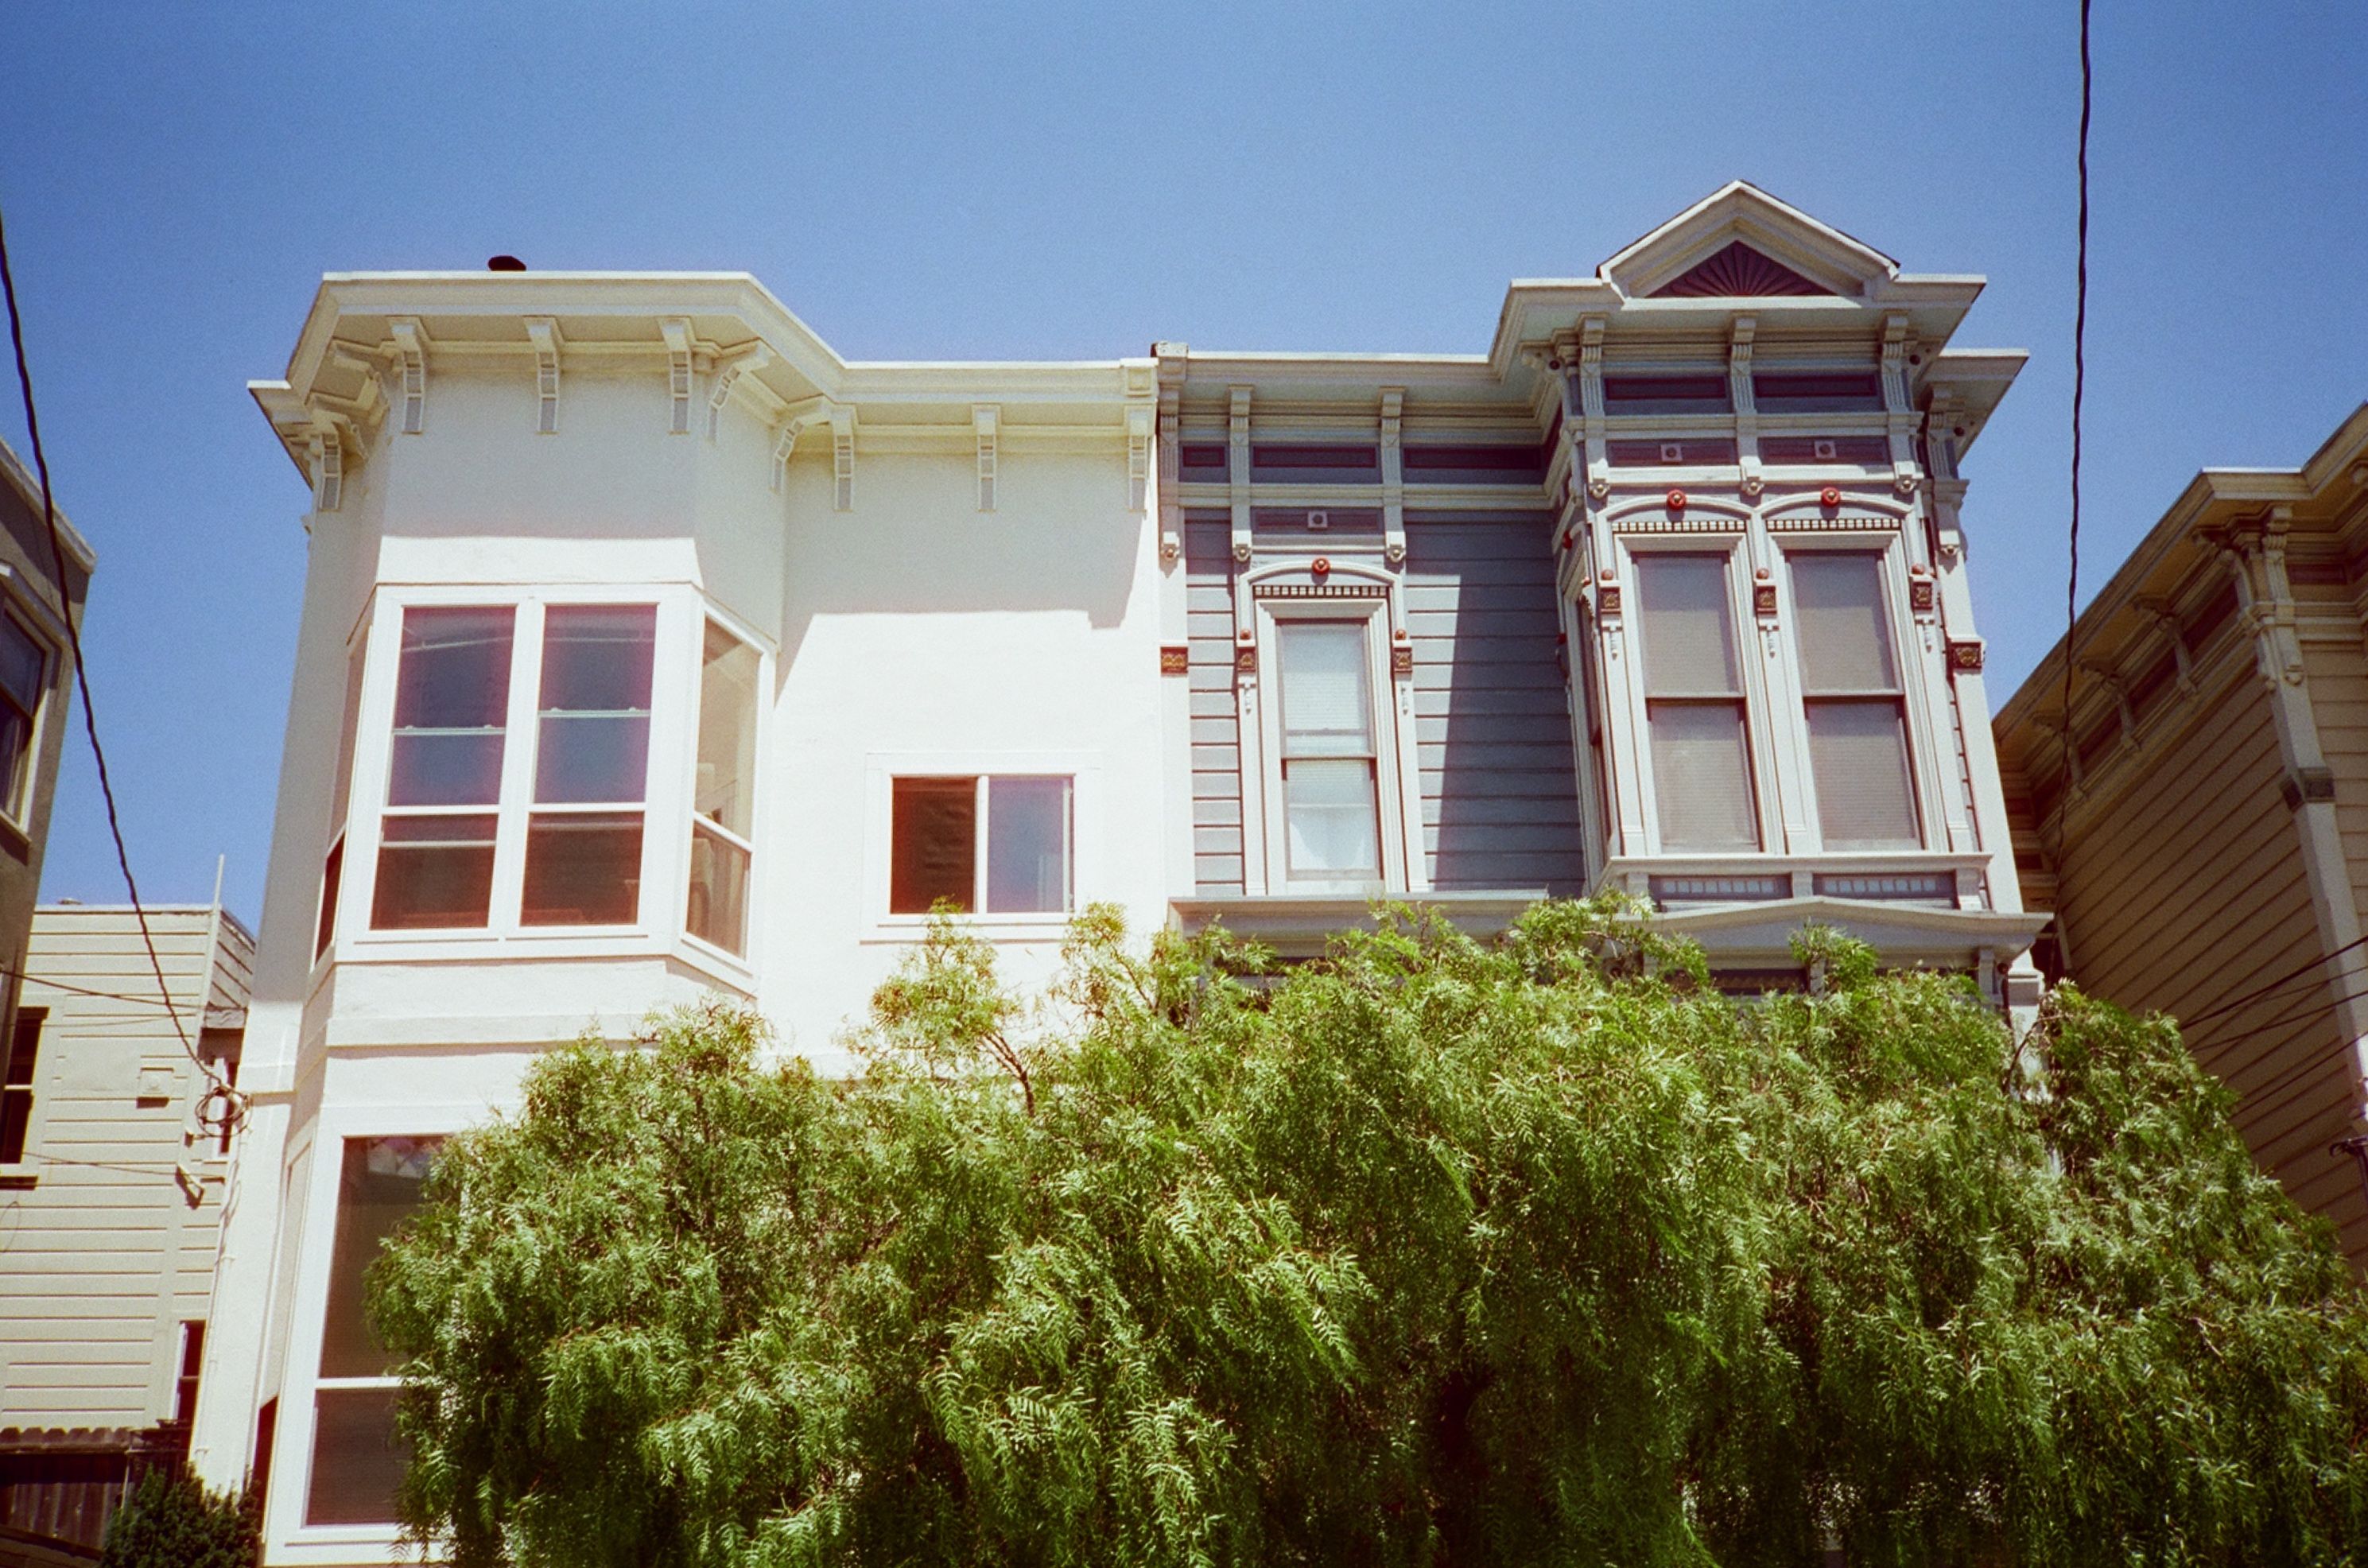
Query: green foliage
point(171, 1521)
point(1429, 1253)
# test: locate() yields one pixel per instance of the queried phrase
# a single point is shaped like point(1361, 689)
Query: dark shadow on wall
point(1492, 715)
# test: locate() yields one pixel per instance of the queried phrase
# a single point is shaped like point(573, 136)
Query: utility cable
point(2079, 396)
point(234, 1104)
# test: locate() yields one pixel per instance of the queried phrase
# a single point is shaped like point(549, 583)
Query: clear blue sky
point(982, 181)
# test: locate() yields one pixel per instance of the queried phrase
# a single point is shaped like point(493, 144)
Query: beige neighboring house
point(110, 1207)
point(2206, 843)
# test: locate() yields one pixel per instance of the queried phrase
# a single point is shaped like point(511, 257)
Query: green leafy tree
point(1429, 1253)
point(171, 1521)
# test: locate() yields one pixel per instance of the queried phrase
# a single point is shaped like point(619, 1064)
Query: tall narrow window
point(723, 802)
point(998, 844)
point(592, 767)
point(24, 674)
point(1694, 705)
point(358, 1458)
point(1855, 707)
point(341, 794)
point(17, 1093)
point(193, 1363)
point(1330, 801)
point(451, 705)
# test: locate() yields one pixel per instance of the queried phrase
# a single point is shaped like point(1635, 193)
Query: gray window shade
point(1701, 776)
point(1702, 755)
point(1838, 604)
point(1326, 711)
point(1858, 750)
point(1689, 626)
point(1851, 701)
point(1330, 819)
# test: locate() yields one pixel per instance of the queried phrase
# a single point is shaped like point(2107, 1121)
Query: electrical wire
point(2283, 981)
point(234, 1104)
point(2079, 396)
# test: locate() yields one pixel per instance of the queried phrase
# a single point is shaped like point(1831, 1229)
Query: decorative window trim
point(41, 627)
point(1396, 776)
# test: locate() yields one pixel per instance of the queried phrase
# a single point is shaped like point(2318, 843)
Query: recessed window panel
point(1844, 645)
point(934, 850)
point(1852, 701)
point(452, 703)
point(24, 669)
point(1701, 776)
point(1330, 797)
point(434, 873)
point(583, 868)
point(1027, 846)
point(593, 741)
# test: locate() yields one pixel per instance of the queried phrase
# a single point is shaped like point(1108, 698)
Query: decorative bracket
point(411, 371)
point(679, 368)
point(842, 456)
point(329, 453)
point(1897, 404)
point(727, 376)
point(984, 420)
point(1138, 456)
point(1393, 536)
point(802, 417)
point(543, 332)
point(1746, 409)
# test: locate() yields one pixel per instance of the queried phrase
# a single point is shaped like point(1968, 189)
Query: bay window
point(357, 1457)
point(988, 844)
point(1329, 759)
point(1696, 708)
point(1853, 702)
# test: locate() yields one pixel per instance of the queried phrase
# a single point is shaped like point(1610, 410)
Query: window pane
point(1027, 846)
point(1325, 709)
point(452, 700)
point(934, 849)
point(1330, 816)
point(358, 1458)
point(22, 664)
point(1701, 776)
point(727, 732)
point(1688, 626)
point(341, 788)
point(16, 756)
point(17, 1100)
point(595, 733)
point(719, 890)
point(1844, 646)
point(379, 1187)
point(434, 871)
point(1858, 751)
point(583, 868)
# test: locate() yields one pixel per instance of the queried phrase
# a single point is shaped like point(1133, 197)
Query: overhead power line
point(233, 1110)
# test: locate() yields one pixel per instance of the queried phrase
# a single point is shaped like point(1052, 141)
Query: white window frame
point(289, 1540)
point(1393, 789)
point(1923, 736)
point(682, 614)
point(1087, 884)
point(40, 623)
point(1760, 734)
point(740, 965)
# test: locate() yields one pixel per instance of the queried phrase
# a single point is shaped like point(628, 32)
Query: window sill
point(908, 929)
point(21, 1178)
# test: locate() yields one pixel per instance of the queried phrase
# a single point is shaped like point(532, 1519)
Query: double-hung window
point(988, 844)
point(357, 1457)
point(1853, 701)
point(1330, 772)
point(444, 775)
point(1695, 707)
point(16, 1093)
point(592, 767)
point(333, 865)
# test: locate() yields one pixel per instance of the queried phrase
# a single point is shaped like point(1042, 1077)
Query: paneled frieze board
point(1419, 497)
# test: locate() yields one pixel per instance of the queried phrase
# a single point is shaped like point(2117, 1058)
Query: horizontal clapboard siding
point(1216, 725)
point(1492, 718)
point(2185, 889)
point(108, 1258)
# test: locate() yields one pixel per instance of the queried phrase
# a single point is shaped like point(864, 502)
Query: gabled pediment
point(1742, 242)
point(1737, 272)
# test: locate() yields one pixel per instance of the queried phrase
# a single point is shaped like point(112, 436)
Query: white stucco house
point(651, 649)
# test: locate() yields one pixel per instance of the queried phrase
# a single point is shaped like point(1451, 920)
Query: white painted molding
point(727, 376)
point(1237, 469)
point(1393, 539)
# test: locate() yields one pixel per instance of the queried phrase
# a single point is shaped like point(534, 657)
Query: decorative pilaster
point(1898, 403)
point(1238, 469)
point(1394, 538)
point(1746, 408)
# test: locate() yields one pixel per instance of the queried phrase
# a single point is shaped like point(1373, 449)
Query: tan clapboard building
point(2204, 843)
point(111, 1208)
